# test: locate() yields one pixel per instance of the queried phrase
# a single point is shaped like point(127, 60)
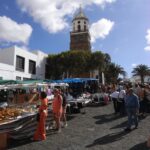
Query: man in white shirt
point(114, 96)
point(121, 101)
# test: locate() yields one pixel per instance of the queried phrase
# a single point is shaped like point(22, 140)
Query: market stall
point(18, 117)
point(75, 104)
point(11, 119)
point(19, 123)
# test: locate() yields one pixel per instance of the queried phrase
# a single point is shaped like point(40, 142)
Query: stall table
point(20, 128)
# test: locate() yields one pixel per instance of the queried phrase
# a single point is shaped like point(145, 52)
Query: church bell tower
point(79, 36)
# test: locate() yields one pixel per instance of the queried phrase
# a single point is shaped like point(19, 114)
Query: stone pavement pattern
point(97, 129)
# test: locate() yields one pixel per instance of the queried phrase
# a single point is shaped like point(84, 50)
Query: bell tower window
point(79, 28)
point(74, 27)
point(84, 27)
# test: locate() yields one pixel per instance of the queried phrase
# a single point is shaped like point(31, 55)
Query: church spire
point(80, 36)
point(80, 9)
point(80, 14)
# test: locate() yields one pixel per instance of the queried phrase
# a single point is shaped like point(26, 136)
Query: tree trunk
point(142, 79)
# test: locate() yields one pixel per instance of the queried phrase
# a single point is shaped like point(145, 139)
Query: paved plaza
point(95, 128)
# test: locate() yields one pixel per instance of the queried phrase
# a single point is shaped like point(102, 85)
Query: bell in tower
point(79, 36)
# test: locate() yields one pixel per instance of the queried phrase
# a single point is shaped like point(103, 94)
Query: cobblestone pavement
point(96, 129)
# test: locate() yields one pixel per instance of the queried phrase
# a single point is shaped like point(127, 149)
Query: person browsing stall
point(57, 108)
point(40, 133)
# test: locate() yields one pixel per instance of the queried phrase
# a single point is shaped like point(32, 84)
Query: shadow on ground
point(96, 105)
point(108, 139)
point(16, 143)
point(70, 117)
point(12, 143)
point(124, 124)
point(141, 146)
point(121, 125)
point(106, 118)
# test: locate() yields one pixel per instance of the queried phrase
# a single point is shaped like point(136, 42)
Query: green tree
point(96, 62)
point(76, 63)
point(68, 64)
point(113, 71)
point(141, 70)
point(54, 67)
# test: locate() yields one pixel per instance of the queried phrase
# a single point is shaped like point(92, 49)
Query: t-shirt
point(122, 94)
point(114, 94)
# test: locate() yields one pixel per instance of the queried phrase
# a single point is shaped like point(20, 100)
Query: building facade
point(19, 64)
point(79, 36)
point(137, 79)
point(80, 39)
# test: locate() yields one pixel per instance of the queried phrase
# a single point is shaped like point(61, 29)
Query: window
point(79, 28)
point(74, 27)
point(20, 62)
point(84, 27)
point(32, 67)
point(18, 78)
point(24, 79)
point(78, 21)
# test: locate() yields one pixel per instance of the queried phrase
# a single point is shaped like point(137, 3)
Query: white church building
point(19, 64)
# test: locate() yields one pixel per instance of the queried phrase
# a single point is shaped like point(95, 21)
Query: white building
point(137, 79)
point(19, 64)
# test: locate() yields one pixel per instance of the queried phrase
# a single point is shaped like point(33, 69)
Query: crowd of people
point(127, 100)
point(131, 100)
point(59, 106)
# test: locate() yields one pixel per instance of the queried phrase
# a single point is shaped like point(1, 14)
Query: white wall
point(27, 55)
point(41, 62)
point(137, 79)
point(7, 72)
point(6, 55)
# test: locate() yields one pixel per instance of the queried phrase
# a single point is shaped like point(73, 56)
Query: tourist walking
point(132, 108)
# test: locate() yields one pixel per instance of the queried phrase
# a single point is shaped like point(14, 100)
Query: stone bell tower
point(79, 36)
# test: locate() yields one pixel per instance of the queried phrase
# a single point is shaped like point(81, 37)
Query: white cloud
point(52, 14)
point(147, 48)
point(101, 29)
point(11, 31)
point(148, 36)
point(134, 65)
point(24, 47)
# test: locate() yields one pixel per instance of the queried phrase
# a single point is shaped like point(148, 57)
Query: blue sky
point(118, 27)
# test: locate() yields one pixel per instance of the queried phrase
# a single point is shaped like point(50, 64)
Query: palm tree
point(142, 71)
point(96, 62)
point(113, 71)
